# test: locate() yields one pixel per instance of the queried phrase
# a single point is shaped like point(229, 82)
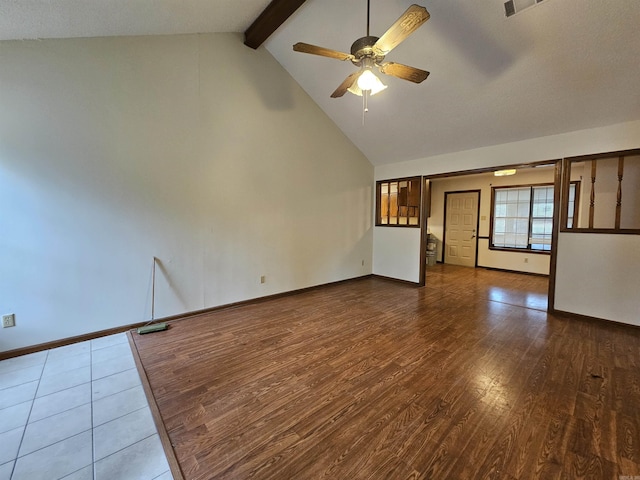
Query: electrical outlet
point(526, 260)
point(363, 263)
point(8, 320)
point(263, 279)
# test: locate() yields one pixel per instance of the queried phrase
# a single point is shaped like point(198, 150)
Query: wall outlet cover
point(8, 320)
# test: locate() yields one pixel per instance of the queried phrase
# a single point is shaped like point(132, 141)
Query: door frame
point(444, 223)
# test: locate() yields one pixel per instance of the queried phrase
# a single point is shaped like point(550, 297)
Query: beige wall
point(194, 149)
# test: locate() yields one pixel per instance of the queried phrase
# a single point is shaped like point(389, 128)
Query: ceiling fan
point(370, 51)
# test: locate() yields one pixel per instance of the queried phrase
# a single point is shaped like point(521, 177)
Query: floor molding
point(578, 316)
point(182, 316)
point(396, 280)
point(176, 471)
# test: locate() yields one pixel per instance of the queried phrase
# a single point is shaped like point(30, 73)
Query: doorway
point(460, 243)
point(434, 203)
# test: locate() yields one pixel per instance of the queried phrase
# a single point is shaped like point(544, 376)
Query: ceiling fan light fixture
point(368, 81)
point(504, 173)
point(370, 51)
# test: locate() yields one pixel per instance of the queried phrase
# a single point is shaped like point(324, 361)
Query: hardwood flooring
point(468, 378)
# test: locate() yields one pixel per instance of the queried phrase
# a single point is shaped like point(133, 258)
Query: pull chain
point(365, 104)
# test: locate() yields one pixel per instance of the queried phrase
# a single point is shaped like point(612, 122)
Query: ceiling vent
point(516, 6)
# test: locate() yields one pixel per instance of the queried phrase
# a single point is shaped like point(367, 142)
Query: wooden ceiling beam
point(269, 20)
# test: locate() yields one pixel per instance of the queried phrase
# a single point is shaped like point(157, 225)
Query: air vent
point(509, 8)
point(516, 6)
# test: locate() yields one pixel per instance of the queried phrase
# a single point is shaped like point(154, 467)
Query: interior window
point(609, 200)
point(398, 202)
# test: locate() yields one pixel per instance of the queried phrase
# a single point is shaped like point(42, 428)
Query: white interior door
point(460, 235)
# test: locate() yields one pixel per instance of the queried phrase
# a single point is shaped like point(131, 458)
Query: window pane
point(522, 226)
point(522, 217)
point(523, 209)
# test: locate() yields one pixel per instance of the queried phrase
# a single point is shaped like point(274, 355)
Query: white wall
point(401, 247)
point(622, 136)
point(622, 269)
point(194, 149)
point(598, 275)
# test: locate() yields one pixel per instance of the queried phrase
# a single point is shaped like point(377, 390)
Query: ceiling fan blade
point(399, 31)
point(323, 52)
point(404, 72)
point(344, 86)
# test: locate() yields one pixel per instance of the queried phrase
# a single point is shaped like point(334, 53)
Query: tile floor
point(78, 412)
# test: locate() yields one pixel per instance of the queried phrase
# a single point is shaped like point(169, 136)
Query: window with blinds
point(522, 217)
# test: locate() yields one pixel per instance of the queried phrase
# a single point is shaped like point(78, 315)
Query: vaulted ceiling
point(559, 66)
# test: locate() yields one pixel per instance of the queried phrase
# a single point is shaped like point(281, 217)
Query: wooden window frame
point(492, 217)
point(566, 181)
point(410, 180)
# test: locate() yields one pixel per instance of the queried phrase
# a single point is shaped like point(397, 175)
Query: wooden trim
point(596, 156)
point(397, 280)
point(410, 181)
point(477, 229)
point(621, 154)
point(397, 226)
point(611, 231)
point(496, 269)
point(460, 173)
point(592, 195)
point(619, 192)
point(520, 250)
point(558, 192)
point(276, 13)
point(424, 235)
point(530, 186)
point(169, 452)
point(578, 316)
point(182, 316)
point(524, 185)
point(68, 341)
point(376, 200)
point(576, 204)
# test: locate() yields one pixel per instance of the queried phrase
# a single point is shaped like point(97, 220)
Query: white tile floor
point(79, 413)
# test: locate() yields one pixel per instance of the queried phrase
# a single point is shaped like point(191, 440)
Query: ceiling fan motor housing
point(363, 48)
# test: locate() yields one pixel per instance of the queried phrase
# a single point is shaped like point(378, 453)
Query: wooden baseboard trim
point(182, 316)
point(169, 452)
point(67, 341)
point(578, 316)
point(396, 280)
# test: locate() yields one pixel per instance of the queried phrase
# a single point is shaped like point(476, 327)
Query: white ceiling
point(560, 66)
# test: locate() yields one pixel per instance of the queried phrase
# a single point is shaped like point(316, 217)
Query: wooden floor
point(468, 378)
